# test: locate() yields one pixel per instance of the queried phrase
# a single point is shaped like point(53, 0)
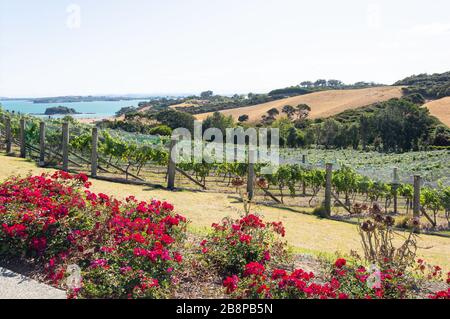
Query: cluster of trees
point(306, 87)
point(335, 84)
point(298, 114)
point(160, 123)
point(433, 86)
point(397, 125)
point(137, 127)
point(152, 106)
point(214, 103)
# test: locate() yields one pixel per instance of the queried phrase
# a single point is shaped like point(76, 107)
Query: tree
point(302, 111)
point(270, 116)
point(175, 119)
point(335, 83)
point(415, 98)
point(441, 136)
point(353, 135)
point(273, 112)
point(220, 121)
point(330, 130)
point(402, 124)
point(162, 130)
point(206, 95)
point(284, 124)
point(125, 110)
point(320, 83)
point(288, 110)
point(306, 84)
point(295, 138)
point(364, 130)
point(243, 118)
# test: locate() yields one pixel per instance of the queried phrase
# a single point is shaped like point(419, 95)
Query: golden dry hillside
point(440, 109)
point(323, 104)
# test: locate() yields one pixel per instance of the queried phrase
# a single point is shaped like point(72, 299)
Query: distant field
point(440, 109)
point(323, 104)
point(189, 104)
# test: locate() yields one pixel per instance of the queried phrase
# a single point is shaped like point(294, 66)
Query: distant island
point(60, 110)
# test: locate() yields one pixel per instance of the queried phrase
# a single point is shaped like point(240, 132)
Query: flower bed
point(344, 282)
point(123, 249)
point(96, 246)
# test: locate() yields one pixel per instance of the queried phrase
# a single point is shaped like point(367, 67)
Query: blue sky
point(58, 47)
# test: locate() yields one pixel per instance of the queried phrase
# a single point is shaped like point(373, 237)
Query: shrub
point(123, 249)
point(361, 283)
point(162, 130)
point(444, 294)
point(235, 243)
point(345, 282)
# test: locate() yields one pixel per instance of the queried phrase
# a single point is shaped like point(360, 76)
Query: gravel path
point(15, 286)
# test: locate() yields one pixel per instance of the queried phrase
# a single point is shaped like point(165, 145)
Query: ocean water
point(97, 109)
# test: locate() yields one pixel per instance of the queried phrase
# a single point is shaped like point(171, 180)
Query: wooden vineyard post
point(395, 188)
point(8, 135)
point(416, 198)
point(2, 142)
point(65, 146)
point(329, 174)
point(251, 174)
point(303, 183)
point(22, 138)
point(171, 169)
point(42, 144)
point(94, 155)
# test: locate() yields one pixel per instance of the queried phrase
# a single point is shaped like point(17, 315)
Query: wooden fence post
point(8, 135)
point(42, 143)
point(171, 169)
point(22, 138)
point(329, 175)
point(303, 183)
point(395, 187)
point(94, 155)
point(3, 141)
point(251, 174)
point(416, 200)
point(65, 146)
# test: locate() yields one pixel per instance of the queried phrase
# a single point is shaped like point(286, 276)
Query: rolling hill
point(323, 104)
point(440, 109)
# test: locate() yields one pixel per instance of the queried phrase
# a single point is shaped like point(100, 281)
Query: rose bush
point(444, 294)
point(345, 282)
point(235, 243)
point(124, 249)
point(259, 283)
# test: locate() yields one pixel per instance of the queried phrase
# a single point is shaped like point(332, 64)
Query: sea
point(96, 109)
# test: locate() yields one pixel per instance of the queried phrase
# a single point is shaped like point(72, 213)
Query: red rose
point(340, 263)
